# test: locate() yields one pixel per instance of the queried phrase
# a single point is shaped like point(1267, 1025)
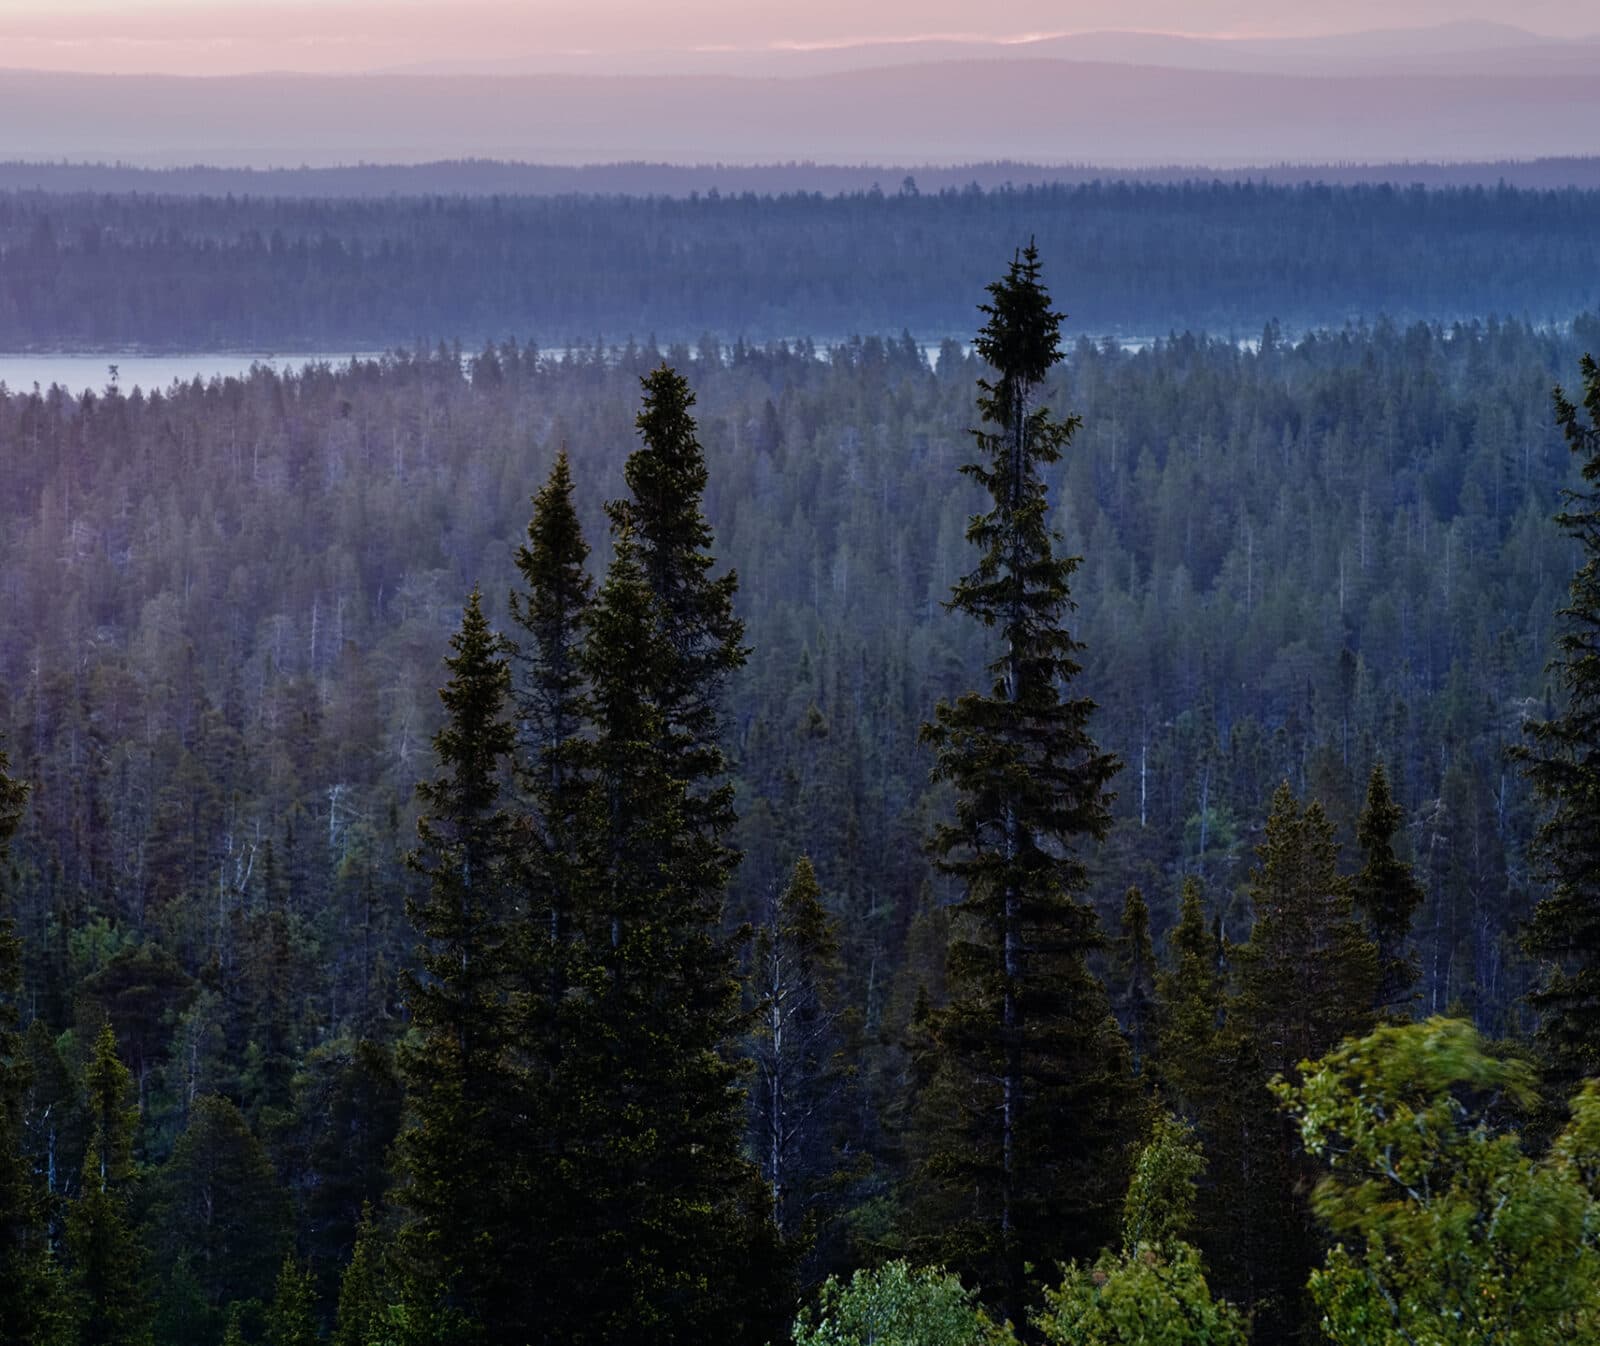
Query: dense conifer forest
point(245, 272)
point(735, 843)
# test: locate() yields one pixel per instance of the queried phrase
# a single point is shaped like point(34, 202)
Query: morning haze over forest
point(849, 675)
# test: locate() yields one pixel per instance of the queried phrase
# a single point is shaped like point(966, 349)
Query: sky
point(221, 37)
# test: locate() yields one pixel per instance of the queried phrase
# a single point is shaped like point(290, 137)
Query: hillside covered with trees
point(100, 271)
point(879, 815)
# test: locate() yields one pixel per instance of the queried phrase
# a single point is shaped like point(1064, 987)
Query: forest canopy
point(334, 998)
point(98, 271)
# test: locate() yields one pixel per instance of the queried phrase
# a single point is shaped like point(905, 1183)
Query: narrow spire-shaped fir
point(664, 515)
point(292, 1315)
point(667, 1232)
point(1563, 763)
point(450, 1187)
point(549, 612)
point(1027, 1169)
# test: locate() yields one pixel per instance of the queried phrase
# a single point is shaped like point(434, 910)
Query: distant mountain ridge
point(1431, 94)
point(1457, 46)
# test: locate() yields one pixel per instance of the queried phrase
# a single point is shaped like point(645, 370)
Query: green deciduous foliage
point(1563, 762)
point(1140, 1298)
point(1447, 1231)
point(898, 1305)
point(1151, 1292)
point(1032, 1100)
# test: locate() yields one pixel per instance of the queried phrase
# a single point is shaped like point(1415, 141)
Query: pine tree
point(1563, 763)
point(1386, 894)
point(111, 1303)
point(1027, 1167)
point(29, 1282)
point(451, 1182)
point(220, 1222)
point(233, 1333)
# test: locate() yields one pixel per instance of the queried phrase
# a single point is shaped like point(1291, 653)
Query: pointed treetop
point(803, 918)
point(667, 474)
point(476, 735)
point(1022, 337)
point(555, 538)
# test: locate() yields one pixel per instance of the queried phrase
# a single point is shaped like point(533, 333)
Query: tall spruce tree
point(455, 1278)
point(1386, 894)
point(549, 612)
point(667, 1235)
point(1026, 1167)
point(111, 1303)
point(664, 517)
point(364, 1313)
point(547, 951)
point(1563, 763)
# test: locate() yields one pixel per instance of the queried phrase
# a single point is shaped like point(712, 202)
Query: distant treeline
point(491, 177)
point(174, 271)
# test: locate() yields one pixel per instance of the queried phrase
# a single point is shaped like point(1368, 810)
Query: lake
point(77, 372)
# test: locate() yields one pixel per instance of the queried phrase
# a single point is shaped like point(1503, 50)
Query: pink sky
point(234, 36)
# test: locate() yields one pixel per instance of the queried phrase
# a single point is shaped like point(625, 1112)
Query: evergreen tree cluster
point(663, 1021)
point(313, 269)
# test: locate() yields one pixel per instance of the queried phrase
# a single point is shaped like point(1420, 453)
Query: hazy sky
point(232, 36)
